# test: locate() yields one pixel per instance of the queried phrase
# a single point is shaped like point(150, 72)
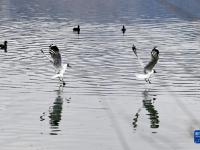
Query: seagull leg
point(149, 81)
point(62, 82)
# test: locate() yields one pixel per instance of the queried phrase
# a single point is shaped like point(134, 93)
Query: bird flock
point(60, 68)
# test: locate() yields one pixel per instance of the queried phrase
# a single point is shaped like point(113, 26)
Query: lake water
point(103, 105)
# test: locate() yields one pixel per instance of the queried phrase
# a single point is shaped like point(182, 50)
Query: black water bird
point(77, 29)
point(4, 46)
point(123, 29)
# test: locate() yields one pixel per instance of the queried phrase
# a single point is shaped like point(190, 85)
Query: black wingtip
point(42, 51)
point(155, 49)
point(134, 50)
point(134, 47)
point(68, 65)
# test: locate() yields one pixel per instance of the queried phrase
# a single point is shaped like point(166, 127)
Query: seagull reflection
point(135, 119)
point(55, 112)
point(148, 104)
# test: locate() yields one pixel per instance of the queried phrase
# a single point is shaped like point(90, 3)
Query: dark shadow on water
point(148, 104)
point(55, 112)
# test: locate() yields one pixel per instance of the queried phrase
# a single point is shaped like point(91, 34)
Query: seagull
point(148, 69)
point(154, 59)
point(4, 46)
point(56, 60)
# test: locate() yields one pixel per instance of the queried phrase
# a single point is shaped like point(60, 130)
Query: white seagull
point(56, 60)
point(148, 69)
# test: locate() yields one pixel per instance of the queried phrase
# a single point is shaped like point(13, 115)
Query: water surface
point(103, 105)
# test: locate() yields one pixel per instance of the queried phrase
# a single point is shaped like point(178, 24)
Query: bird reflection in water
point(148, 104)
point(55, 113)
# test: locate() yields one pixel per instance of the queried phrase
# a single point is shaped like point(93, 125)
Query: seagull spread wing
point(149, 67)
point(138, 58)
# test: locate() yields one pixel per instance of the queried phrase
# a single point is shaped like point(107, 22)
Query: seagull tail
point(61, 72)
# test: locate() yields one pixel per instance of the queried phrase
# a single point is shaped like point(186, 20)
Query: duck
point(77, 29)
point(123, 29)
point(4, 46)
